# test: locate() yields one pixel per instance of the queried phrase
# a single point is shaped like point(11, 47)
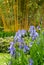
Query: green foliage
point(19, 60)
point(6, 34)
point(37, 51)
point(4, 45)
point(5, 38)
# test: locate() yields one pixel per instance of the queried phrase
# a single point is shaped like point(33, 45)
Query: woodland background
point(20, 14)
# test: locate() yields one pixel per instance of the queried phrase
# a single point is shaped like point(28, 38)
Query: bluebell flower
point(26, 48)
point(38, 27)
point(20, 40)
point(33, 32)
point(23, 32)
point(21, 46)
point(18, 33)
point(34, 36)
point(11, 43)
point(31, 28)
point(18, 36)
point(11, 48)
point(31, 62)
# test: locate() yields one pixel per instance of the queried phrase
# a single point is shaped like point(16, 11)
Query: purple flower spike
point(33, 33)
point(23, 32)
point(30, 62)
point(11, 43)
point(26, 48)
point(18, 36)
point(20, 40)
point(38, 27)
point(31, 28)
point(12, 49)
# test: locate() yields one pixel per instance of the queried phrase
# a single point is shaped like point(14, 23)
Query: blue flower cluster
point(18, 38)
point(33, 32)
point(12, 48)
point(31, 62)
point(21, 43)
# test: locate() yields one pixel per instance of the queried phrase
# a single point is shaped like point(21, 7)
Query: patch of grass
point(4, 58)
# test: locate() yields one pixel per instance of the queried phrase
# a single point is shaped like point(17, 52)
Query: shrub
point(5, 43)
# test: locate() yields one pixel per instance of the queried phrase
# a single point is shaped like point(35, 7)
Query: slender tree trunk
point(7, 12)
point(26, 17)
point(3, 19)
point(15, 7)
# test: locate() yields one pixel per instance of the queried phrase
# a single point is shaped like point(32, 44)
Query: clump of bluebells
point(33, 32)
point(27, 48)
